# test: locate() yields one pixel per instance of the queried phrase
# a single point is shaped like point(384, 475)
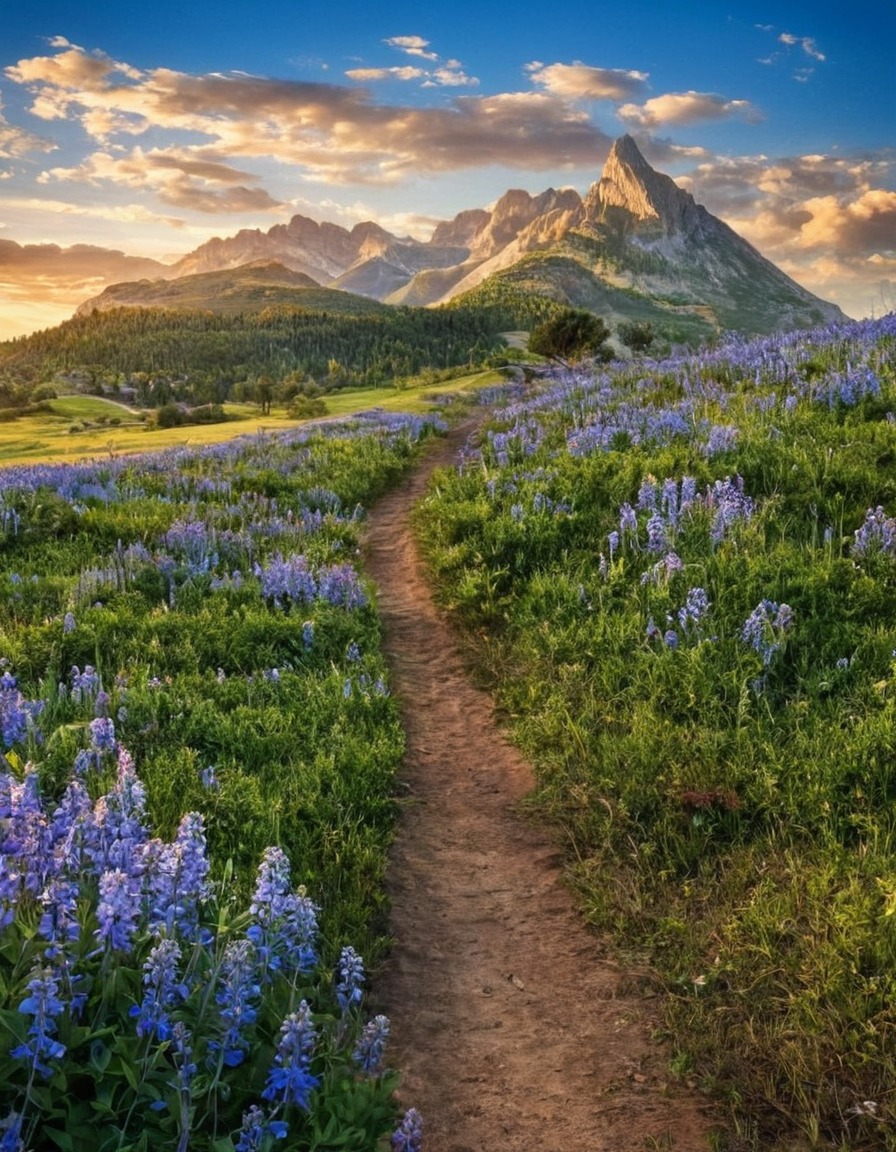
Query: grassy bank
point(680, 579)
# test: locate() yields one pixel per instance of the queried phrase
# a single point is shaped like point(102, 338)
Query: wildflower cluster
point(131, 945)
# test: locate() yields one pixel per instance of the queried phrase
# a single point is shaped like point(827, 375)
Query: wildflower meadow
point(680, 576)
point(196, 782)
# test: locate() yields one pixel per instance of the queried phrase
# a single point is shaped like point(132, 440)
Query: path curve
point(513, 1031)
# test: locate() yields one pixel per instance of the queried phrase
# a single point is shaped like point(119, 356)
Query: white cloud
point(579, 81)
point(194, 180)
point(807, 44)
point(16, 142)
point(687, 108)
point(412, 45)
point(369, 74)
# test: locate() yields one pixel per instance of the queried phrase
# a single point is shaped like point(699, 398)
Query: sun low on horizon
point(128, 139)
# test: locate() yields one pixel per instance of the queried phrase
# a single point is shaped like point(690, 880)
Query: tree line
point(201, 357)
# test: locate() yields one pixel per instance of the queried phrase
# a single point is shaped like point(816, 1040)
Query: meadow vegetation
point(195, 720)
point(680, 578)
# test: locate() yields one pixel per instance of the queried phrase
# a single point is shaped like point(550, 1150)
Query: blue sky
point(150, 128)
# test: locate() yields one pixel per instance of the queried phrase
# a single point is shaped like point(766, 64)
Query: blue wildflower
point(255, 1130)
point(11, 1133)
point(764, 628)
point(289, 1080)
point(695, 608)
point(408, 1136)
point(237, 995)
point(368, 1053)
point(44, 1005)
point(117, 910)
point(162, 990)
point(351, 977)
point(102, 734)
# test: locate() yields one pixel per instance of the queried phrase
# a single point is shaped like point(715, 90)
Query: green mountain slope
point(249, 288)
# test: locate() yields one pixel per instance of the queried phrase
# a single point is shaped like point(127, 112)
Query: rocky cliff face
point(635, 229)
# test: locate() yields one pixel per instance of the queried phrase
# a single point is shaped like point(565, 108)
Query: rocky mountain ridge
point(635, 231)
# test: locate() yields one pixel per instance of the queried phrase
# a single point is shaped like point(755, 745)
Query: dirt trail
point(513, 1031)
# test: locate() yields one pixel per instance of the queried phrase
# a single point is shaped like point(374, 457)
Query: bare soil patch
point(513, 1029)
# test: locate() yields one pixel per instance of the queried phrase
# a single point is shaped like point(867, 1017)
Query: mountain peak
point(626, 151)
point(628, 182)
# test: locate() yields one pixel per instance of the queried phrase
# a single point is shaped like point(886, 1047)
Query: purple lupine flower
point(10, 887)
point(613, 541)
point(25, 836)
point(13, 711)
point(84, 685)
point(764, 627)
point(182, 1050)
point(238, 992)
point(656, 534)
point(271, 887)
point(669, 501)
point(44, 1005)
point(652, 631)
point(730, 504)
point(353, 653)
point(673, 563)
point(59, 923)
point(688, 492)
point(646, 501)
point(368, 1053)
point(877, 534)
point(68, 623)
point(162, 990)
point(783, 617)
point(290, 1080)
point(255, 1130)
point(308, 633)
point(670, 636)
point(102, 734)
point(115, 835)
point(722, 438)
point(285, 925)
point(351, 977)
point(628, 522)
point(118, 910)
point(408, 1136)
point(695, 607)
point(11, 1133)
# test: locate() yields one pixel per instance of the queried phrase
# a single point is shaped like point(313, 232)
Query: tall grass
point(676, 577)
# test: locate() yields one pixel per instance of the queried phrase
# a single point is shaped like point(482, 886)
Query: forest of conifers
point(204, 354)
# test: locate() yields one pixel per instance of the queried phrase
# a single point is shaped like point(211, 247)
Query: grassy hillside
point(248, 288)
point(542, 283)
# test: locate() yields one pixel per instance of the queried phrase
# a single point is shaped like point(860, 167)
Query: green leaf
point(100, 1056)
point(62, 1139)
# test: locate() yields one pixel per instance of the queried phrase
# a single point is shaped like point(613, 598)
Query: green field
point(49, 436)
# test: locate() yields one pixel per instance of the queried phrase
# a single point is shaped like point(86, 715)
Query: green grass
point(728, 819)
point(45, 437)
point(91, 408)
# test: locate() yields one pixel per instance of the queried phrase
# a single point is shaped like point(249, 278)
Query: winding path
point(513, 1030)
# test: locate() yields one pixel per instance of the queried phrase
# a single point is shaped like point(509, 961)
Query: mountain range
point(635, 246)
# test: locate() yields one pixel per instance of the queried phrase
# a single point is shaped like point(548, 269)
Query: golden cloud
point(687, 108)
point(579, 81)
point(335, 134)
